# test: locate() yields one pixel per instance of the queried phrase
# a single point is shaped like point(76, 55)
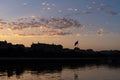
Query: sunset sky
point(94, 23)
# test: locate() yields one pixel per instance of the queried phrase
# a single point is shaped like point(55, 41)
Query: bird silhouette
point(76, 43)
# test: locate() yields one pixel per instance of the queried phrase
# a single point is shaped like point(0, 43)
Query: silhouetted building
point(46, 47)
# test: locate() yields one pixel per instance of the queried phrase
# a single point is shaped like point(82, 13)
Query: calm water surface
point(56, 71)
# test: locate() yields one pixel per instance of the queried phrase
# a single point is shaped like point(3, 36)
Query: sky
point(94, 23)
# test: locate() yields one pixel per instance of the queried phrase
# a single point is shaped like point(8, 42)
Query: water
point(59, 71)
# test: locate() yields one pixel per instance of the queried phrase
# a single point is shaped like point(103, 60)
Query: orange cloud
point(78, 34)
point(2, 24)
point(36, 25)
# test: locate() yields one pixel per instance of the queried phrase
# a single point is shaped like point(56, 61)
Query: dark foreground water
point(41, 70)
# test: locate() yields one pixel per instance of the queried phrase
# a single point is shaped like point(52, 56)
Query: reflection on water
point(59, 71)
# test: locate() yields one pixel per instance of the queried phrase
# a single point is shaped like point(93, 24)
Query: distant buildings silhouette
point(42, 50)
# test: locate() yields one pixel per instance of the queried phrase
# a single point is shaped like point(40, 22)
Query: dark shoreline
point(30, 58)
point(61, 60)
point(42, 51)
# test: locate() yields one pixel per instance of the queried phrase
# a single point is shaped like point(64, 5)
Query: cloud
point(112, 13)
point(36, 25)
point(93, 2)
point(63, 23)
point(87, 12)
point(72, 9)
point(1, 27)
point(19, 34)
point(105, 8)
point(47, 6)
point(50, 33)
point(2, 24)
point(100, 32)
point(78, 34)
point(102, 8)
point(60, 33)
point(24, 4)
point(44, 3)
point(90, 7)
point(56, 23)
